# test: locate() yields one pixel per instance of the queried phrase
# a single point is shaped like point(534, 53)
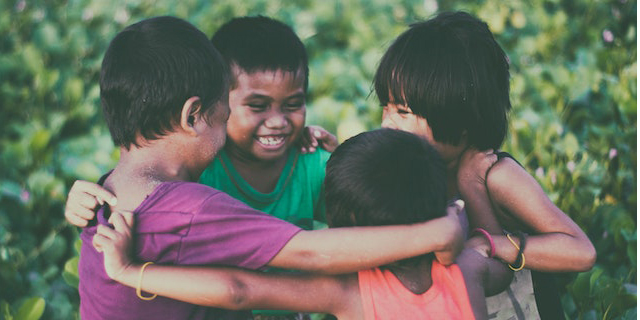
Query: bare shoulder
point(508, 177)
point(505, 172)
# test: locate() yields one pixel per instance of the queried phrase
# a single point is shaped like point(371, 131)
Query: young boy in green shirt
point(261, 164)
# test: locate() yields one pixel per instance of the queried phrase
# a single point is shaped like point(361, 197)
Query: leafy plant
point(573, 125)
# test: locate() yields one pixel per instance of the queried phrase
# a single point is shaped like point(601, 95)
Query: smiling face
point(267, 114)
point(401, 117)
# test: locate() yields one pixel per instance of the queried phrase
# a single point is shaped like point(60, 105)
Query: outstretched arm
point(557, 243)
point(343, 250)
point(225, 287)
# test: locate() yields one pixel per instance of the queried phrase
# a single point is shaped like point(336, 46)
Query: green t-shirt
point(297, 198)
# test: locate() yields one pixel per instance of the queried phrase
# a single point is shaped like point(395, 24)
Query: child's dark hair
point(150, 70)
point(261, 44)
point(384, 177)
point(451, 71)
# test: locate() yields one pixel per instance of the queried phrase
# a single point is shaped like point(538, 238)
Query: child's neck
point(415, 277)
point(261, 175)
point(139, 171)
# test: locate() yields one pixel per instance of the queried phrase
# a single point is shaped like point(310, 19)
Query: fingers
point(83, 198)
point(94, 190)
point(323, 137)
point(77, 220)
point(455, 207)
point(308, 143)
point(107, 232)
point(99, 242)
point(122, 222)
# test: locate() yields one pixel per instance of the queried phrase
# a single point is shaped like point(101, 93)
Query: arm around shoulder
point(343, 250)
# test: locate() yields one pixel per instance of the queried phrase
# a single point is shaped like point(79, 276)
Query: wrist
point(488, 239)
point(129, 274)
point(505, 251)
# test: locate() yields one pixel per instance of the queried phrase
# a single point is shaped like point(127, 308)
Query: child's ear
point(190, 111)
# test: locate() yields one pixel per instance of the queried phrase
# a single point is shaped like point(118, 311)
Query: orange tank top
point(385, 297)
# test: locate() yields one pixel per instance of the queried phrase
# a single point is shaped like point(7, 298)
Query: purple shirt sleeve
point(216, 229)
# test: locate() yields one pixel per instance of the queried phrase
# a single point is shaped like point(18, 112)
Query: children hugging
point(445, 81)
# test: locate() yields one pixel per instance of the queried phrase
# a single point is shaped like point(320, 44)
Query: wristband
point(520, 257)
point(138, 288)
point(486, 234)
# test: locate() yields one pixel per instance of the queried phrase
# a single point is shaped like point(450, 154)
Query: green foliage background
point(574, 123)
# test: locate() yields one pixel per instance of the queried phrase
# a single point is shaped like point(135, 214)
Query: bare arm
point(236, 289)
point(558, 243)
point(483, 277)
point(343, 250)
point(471, 175)
point(225, 287)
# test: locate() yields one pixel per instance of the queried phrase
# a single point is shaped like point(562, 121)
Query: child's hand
point(474, 165)
point(114, 243)
point(82, 200)
point(314, 136)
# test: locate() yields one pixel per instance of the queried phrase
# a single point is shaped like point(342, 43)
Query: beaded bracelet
point(520, 257)
point(486, 234)
point(138, 288)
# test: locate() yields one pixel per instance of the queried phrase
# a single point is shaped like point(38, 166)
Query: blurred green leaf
point(31, 309)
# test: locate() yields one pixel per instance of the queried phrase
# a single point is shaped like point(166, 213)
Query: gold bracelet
point(138, 289)
point(521, 255)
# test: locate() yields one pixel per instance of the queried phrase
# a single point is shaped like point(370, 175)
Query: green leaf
point(595, 275)
point(31, 309)
point(5, 310)
point(70, 273)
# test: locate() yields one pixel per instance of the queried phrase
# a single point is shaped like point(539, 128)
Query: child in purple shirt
point(164, 96)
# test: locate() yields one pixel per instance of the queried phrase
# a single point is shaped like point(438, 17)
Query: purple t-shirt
point(181, 223)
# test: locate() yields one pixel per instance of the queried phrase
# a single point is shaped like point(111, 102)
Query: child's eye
point(258, 106)
point(403, 111)
point(293, 106)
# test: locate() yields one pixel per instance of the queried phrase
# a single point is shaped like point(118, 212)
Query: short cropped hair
point(451, 71)
point(150, 70)
point(384, 177)
point(260, 43)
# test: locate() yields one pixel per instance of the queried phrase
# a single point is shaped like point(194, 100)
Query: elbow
point(587, 258)
point(234, 295)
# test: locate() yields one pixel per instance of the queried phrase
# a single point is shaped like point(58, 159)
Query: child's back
point(386, 171)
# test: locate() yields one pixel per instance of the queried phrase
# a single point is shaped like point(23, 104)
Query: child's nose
point(276, 120)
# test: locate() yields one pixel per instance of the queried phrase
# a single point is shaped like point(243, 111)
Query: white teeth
point(271, 140)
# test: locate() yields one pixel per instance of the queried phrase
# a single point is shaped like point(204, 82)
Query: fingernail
point(114, 201)
point(317, 134)
point(459, 203)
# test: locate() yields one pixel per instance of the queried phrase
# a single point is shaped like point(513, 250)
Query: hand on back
point(115, 243)
point(82, 201)
point(316, 136)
